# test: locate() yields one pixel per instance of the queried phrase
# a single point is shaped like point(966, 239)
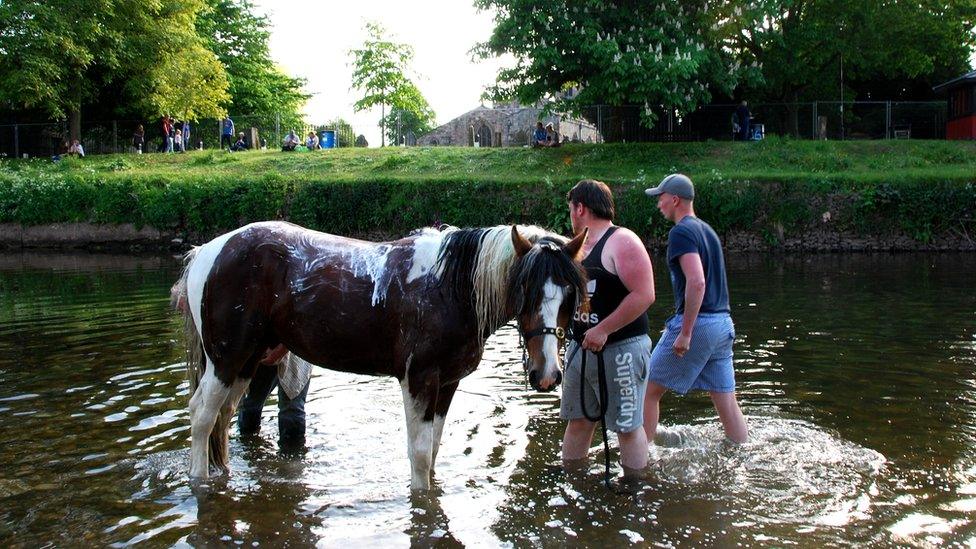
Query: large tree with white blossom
point(649, 53)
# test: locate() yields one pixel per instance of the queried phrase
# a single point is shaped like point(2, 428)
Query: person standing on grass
point(695, 351)
point(226, 132)
point(744, 118)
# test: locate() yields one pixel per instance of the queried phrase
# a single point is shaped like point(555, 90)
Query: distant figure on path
point(185, 130)
point(744, 118)
point(226, 132)
point(695, 351)
point(139, 139)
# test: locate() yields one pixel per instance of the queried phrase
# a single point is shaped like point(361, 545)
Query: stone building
point(507, 125)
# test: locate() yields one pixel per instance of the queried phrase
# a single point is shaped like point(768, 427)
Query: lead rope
point(604, 402)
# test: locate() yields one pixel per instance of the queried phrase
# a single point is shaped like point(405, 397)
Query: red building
point(961, 119)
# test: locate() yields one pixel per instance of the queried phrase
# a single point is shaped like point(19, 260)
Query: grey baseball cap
point(677, 184)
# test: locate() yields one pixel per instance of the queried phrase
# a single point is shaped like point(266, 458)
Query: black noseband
point(557, 331)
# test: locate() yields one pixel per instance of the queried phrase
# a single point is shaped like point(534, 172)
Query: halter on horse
point(418, 309)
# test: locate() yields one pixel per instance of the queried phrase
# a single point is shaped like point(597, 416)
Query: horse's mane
point(480, 261)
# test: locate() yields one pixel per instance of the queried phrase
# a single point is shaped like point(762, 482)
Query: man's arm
point(691, 266)
point(633, 266)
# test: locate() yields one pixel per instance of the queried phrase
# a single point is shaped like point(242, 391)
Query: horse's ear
point(574, 246)
point(522, 245)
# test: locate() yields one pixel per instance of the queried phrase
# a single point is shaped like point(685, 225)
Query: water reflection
point(856, 374)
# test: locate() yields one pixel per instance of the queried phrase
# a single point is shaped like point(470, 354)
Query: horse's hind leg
point(205, 405)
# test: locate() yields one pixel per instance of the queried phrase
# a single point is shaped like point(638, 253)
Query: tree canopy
point(681, 54)
point(800, 44)
point(239, 39)
point(412, 114)
point(56, 57)
point(380, 71)
point(614, 53)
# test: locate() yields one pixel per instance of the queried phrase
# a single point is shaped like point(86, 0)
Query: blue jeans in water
point(291, 412)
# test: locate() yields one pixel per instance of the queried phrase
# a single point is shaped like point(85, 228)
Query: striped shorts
point(706, 366)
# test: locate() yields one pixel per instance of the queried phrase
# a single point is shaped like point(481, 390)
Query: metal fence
point(816, 120)
point(116, 136)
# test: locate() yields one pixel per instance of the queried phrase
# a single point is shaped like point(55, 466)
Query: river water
point(857, 374)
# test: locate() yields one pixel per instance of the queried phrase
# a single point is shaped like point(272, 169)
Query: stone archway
point(484, 135)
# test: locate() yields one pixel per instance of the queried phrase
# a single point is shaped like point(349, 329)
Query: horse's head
point(547, 283)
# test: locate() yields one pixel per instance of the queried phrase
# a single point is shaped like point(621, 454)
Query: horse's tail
point(191, 336)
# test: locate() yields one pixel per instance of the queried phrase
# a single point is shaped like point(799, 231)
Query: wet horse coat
point(418, 309)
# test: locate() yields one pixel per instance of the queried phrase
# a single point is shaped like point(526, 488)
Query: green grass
point(774, 159)
point(777, 188)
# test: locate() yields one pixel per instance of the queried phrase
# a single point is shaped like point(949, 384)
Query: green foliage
point(388, 192)
point(239, 38)
point(380, 71)
point(413, 114)
point(58, 56)
point(799, 45)
point(614, 53)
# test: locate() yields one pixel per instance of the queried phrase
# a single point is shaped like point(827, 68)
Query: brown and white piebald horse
point(418, 309)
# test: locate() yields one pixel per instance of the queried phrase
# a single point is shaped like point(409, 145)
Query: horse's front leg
point(419, 402)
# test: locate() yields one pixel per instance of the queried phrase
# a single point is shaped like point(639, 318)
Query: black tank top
point(606, 291)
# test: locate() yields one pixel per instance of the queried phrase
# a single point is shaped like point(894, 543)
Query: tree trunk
point(382, 124)
point(793, 109)
point(74, 125)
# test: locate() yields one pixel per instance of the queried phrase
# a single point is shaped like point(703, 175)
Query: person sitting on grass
point(76, 149)
point(240, 145)
point(539, 136)
point(312, 142)
point(290, 142)
point(552, 138)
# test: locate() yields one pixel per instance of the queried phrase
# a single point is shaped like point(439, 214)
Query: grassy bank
point(772, 191)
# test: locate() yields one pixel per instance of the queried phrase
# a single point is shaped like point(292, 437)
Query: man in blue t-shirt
point(695, 351)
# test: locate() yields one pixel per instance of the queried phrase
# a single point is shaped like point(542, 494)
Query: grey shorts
point(626, 363)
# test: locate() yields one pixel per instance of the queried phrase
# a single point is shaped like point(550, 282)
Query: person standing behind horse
point(291, 375)
point(621, 288)
point(695, 351)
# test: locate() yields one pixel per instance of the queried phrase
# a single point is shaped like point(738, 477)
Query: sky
point(312, 39)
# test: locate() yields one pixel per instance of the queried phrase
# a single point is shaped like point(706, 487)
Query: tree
point(239, 39)
point(802, 46)
point(413, 114)
point(651, 53)
point(56, 57)
point(380, 71)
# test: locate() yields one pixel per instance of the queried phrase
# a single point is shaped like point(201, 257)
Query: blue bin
point(327, 139)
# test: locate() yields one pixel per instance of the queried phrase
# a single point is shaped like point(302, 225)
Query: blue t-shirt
point(539, 135)
point(692, 235)
point(228, 127)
